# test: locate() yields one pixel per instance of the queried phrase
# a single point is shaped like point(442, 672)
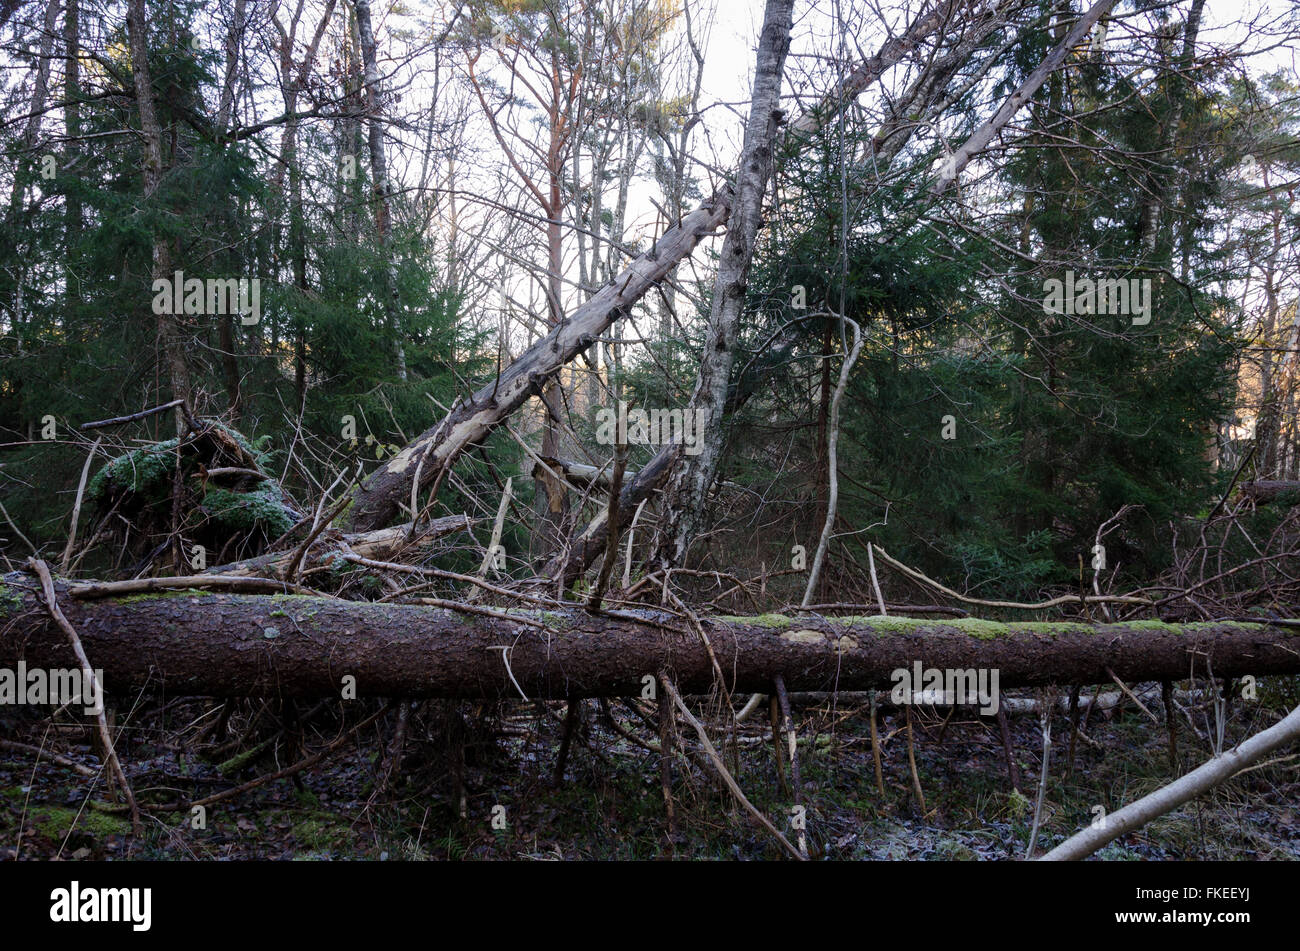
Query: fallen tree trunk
point(1023, 94)
point(378, 500)
point(194, 643)
point(1184, 789)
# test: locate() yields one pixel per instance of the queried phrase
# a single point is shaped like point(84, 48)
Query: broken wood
point(382, 544)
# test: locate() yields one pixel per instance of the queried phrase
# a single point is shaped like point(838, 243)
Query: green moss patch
point(759, 620)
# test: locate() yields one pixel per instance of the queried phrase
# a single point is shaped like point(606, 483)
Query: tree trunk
point(690, 484)
point(72, 127)
point(376, 503)
point(169, 333)
point(191, 643)
point(379, 183)
point(982, 136)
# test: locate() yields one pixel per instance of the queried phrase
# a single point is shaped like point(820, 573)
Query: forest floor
point(610, 804)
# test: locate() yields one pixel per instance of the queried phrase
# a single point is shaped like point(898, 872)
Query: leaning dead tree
point(196, 643)
point(378, 501)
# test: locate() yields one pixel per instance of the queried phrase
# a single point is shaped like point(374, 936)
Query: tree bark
point(192, 643)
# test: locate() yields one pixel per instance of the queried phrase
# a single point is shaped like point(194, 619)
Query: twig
point(50, 754)
point(631, 533)
point(118, 420)
point(1171, 723)
point(875, 750)
point(318, 525)
point(571, 711)
point(17, 530)
point(832, 441)
point(890, 608)
point(497, 527)
point(1064, 599)
point(297, 767)
point(708, 646)
point(875, 582)
point(667, 734)
point(475, 609)
point(219, 471)
point(1074, 729)
point(911, 761)
point(1045, 724)
point(613, 519)
point(505, 659)
point(1129, 693)
point(787, 724)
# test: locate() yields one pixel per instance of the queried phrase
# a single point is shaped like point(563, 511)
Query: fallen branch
point(382, 544)
point(1196, 783)
point(1016, 605)
point(118, 589)
point(376, 502)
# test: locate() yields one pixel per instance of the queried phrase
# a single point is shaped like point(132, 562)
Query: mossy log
point(197, 643)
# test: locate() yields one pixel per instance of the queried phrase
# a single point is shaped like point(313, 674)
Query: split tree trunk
point(248, 645)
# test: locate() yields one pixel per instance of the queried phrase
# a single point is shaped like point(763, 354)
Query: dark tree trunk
point(192, 643)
